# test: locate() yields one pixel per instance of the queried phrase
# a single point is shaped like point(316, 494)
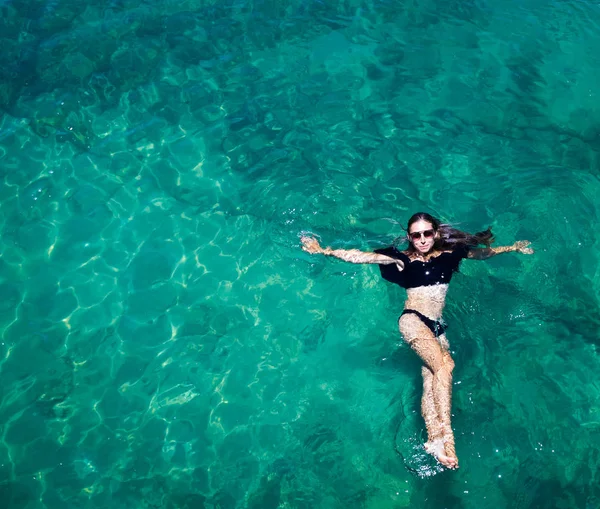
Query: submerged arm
point(521, 246)
point(311, 245)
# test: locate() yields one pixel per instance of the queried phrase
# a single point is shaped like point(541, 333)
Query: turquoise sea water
point(164, 341)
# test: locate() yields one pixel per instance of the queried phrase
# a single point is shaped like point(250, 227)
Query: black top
point(436, 271)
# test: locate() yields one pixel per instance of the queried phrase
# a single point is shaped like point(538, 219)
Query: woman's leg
point(440, 363)
point(428, 409)
point(437, 395)
point(446, 410)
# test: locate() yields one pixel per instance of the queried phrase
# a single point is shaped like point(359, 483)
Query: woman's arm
point(487, 252)
point(311, 245)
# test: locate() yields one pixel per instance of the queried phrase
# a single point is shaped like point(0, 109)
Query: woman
point(425, 268)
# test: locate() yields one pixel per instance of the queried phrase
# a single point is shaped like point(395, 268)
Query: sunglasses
point(428, 234)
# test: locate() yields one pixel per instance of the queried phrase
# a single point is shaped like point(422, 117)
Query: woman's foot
point(448, 440)
point(437, 449)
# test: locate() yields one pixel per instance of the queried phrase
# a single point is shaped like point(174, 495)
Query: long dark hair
point(450, 238)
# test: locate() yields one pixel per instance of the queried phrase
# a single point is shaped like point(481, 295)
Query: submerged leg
point(445, 393)
point(443, 397)
point(428, 408)
point(440, 363)
point(437, 395)
point(429, 411)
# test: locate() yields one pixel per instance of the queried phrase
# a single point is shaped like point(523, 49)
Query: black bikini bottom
point(438, 328)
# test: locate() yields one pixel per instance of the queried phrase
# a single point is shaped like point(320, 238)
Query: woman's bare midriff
point(429, 300)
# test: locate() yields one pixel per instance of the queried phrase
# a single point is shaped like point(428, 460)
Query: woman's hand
point(311, 245)
point(521, 246)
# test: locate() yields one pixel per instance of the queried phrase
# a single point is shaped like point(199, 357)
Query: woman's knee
point(448, 363)
point(445, 366)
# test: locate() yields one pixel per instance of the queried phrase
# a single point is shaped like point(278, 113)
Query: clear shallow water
point(165, 343)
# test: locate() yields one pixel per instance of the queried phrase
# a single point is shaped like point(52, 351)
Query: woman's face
point(422, 236)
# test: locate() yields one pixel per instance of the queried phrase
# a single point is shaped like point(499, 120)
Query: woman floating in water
point(434, 253)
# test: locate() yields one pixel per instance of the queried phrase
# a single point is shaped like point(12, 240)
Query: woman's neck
point(424, 257)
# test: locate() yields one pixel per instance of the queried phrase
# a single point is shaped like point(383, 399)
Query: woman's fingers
point(310, 245)
point(522, 247)
point(307, 241)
